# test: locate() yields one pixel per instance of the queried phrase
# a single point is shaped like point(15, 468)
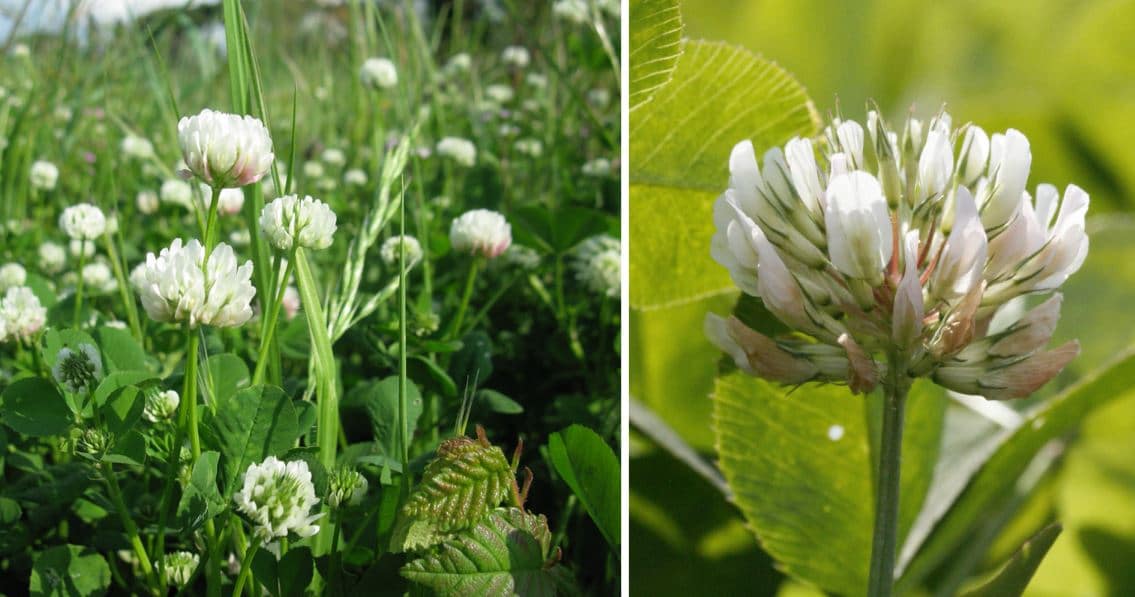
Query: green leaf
point(1014, 577)
point(558, 229)
point(33, 406)
point(118, 380)
point(287, 577)
point(201, 499)
point(432, 375)
point(123, 409)
point(227, 374)
point(499, 403)
point(310, 455)
point(510, 553)
point(679, 156)
point(129, 449)
point(69, 570)
point(800, 467)
point(120, 351)
point(591, 469)
point(995, 483)
point(466, 480)
point(10, 511)
point(258, 422)
point(381, 402)
point(656, 34)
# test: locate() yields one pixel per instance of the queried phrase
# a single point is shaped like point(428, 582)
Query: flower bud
point(346, 486)
point(161, 405)
point(179, 567)
point(290, 221)
point(755, 353)
point(77, 370)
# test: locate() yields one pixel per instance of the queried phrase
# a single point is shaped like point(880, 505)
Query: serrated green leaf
point(122, 410)
point(509, 553)
point(33, 406)
point(1014, 576)
point(69, 570)
point(258, 422)
point(591, 469)
point(800, 467)
point(458, 488)
point(679, 156)
point(656, 34)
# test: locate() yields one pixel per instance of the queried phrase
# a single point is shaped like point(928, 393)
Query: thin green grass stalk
point(403, 401)
point(272, 315)
point(79, 284)
point(123, 286)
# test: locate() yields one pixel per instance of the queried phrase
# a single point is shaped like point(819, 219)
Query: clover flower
point(572, 11)
point(161, 405)
point(178, 285)
point(147, 202)
point(81, 248)
point(599, 97)
point(459, 62)
point(520, 256)
point(97, 275)
point(501, 94)
point(480, 232)
point(176, 192)
point(460, 150)
point(12, 274)
point(225, 150)
point(599, 167)
point(346, 486)
point(21, 314)
point(290, 221)
point(333, 157)
point(137, 147)
point(229, 201)
point(389, 250)
point(179, 567)
point(529, 147)
point(379, 73)
point(516, 56)
point(898, 246)
point(355, 177)
point(597, 262)
point(43, 175)
point(52, 257)
point(77, 370)
point(277, 498)
point(83, 222)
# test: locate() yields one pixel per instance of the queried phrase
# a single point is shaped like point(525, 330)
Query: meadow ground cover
point(312, 298)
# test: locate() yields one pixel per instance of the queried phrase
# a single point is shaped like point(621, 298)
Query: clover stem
point(885, 541)
point(470, 279)
point(245, 567)
point(79, 285)
point(128, 522)
point(272, 314)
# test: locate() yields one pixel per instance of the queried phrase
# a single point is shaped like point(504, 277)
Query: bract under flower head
point(897, 252)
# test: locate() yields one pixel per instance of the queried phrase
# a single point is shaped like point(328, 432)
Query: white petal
point(858, 225)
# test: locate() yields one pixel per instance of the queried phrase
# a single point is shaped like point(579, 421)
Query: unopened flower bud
point(346, 486)
point(161, 405)
point(77, 370)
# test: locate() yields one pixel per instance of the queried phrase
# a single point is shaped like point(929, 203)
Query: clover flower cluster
point(480, 232)
point(178, 285)
point(83, 222)
point(21, 314)
point(277, 497)
point(896, 251)
point(379, 73)
point(597, 262)
point(459, 150)
point(389, 251)
point(290, 221)
point(12, 275)
point(225, 150)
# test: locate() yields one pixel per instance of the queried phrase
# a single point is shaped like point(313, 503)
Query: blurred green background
point(1058, 70)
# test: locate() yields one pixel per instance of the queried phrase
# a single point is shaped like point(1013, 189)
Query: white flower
point(1009, 160)
point(346, 486)
point(137, 147)
point(225, 150)
point(313, 169)
point(178, 285)
point(147, 202)
point(858, 226)
point(597, 265)
point(43, 175)
point(501, 94)
point(599, 167)
point(97, 276)
point(480, 232)
point(516, 56)
point(83, 222)
point(521, 257)
point(379, 73)
point(21, 314)
point(52, 257)
point(228, 203)
point(508, 130)
point(278, 497)
point(355, 177)
point(333, 157)
point(460, 150)
point(291, 302)
point(389, 252)
point(536, 80)
point(573, 11)
point(459, 62)
point(177, 192)
point(599, 97)
point(179, 567)
point(82, 248)
point(529, 147)
point(12, 274)
point(290, 221)
point(161, 405)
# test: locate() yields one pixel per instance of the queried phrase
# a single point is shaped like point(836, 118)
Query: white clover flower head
point(508, 129)
point(599, 97)
point(178, 285)
point(293, 222)
point(897, 251)
point(598, 168)
point(520, 256)
point(459, 150)
point(379, 73)
point(81, 248)
point(161, 406)
point(179, 567)
point(611, 7)
point(147, 202)
point(333, 157)
point(97, 276)
point(442, 202)
point(355, 177)
point(225, 150)
point(176, 192)
point(77, 370)
point(536, 80)
point(229, 202)
point(137, 147)
point(278, 497)
point(459, 62)
point(313, 169)
point(516, 56)
point(389, 251)
point(529, 147)
point(43, 175)
point(240, 238)
point(83, 222)
point(597, 262)
point(291, 302)
point(501, 94)
point(346, 487)
point(12, 274)
point(52, 257)
point(572, 11)
point(21, 314)
point(480, 232)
